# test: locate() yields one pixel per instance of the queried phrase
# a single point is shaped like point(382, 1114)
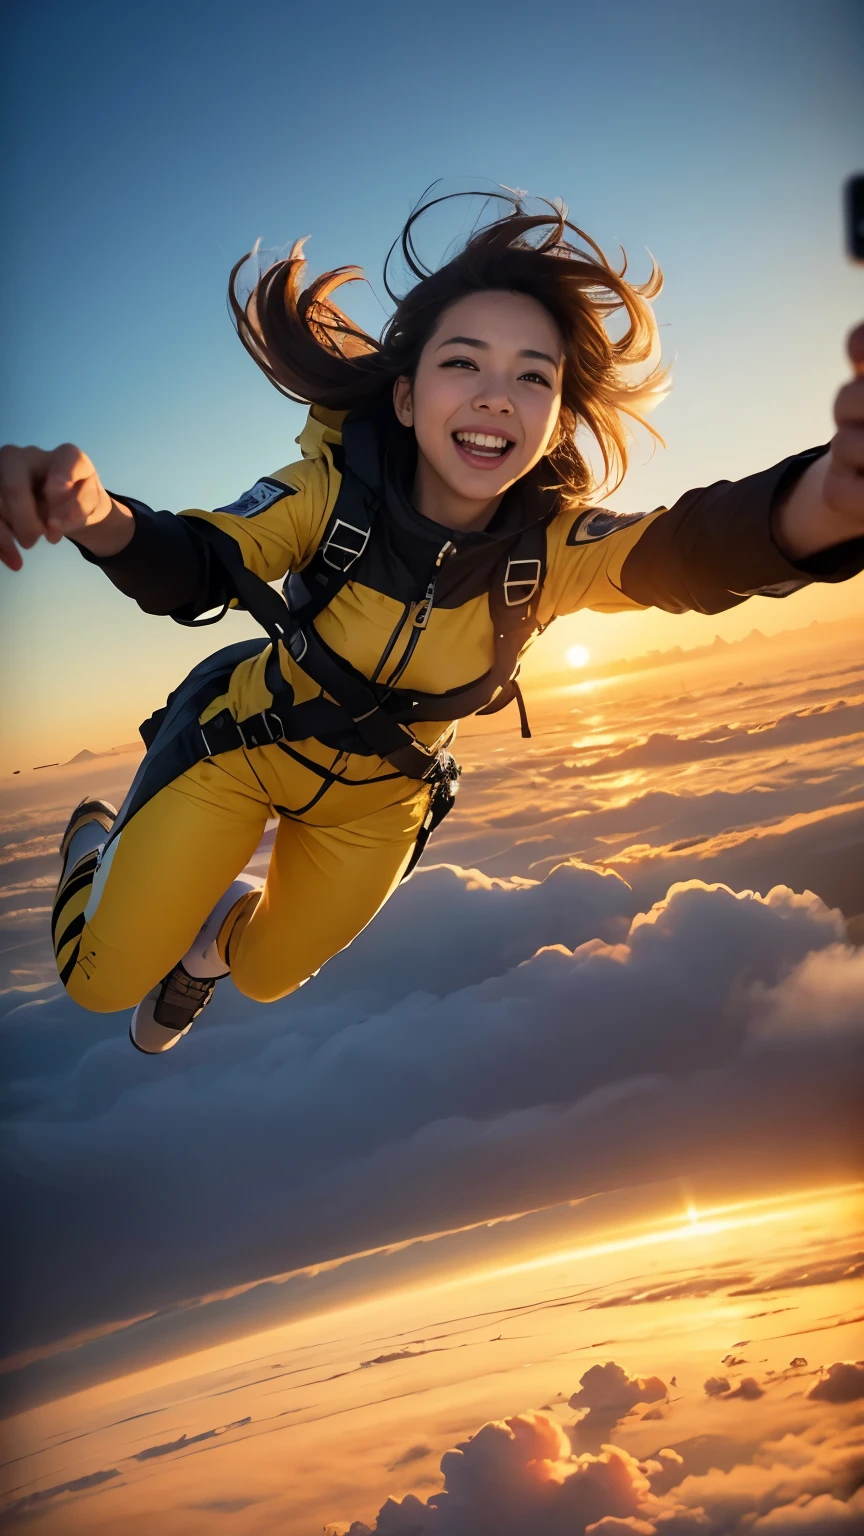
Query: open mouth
point(482, 449)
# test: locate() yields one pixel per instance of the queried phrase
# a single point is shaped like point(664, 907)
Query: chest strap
point(378, 716)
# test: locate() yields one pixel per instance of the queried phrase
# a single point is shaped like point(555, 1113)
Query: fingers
point(45, 494)
point(843, 492)
point(21, 472)
point(849, 405)
point(70, 491)
point(855, 348)
point(847, 448)
point(844, 481)
point(9, 550)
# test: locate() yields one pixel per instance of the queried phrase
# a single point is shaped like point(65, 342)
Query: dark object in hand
point(854, 211)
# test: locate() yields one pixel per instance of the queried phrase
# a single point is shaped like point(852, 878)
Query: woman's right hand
point(53, 494)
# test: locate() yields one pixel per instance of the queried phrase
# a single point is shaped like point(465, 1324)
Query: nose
point(493, 398)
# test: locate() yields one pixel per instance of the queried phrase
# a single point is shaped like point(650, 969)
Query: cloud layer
point(519, 1477)
point(725, 1028)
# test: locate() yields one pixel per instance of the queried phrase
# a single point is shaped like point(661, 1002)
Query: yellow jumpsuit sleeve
point(585, 556)
point(278, 522)
point(708, 551)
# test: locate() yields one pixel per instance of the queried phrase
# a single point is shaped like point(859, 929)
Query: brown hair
point(312, 352)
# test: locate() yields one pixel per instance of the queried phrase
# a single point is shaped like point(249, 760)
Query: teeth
point(482, 439)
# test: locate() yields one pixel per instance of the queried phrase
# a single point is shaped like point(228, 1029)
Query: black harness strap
point(380, 716)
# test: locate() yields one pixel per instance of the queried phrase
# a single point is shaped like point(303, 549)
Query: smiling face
point(484, 404)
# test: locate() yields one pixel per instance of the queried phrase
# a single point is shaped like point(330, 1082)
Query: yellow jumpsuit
point(339, 855)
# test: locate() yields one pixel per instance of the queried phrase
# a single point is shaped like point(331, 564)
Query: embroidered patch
point(600, 524)
point(264, 493)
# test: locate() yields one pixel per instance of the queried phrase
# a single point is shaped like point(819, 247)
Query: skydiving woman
point(442, 514)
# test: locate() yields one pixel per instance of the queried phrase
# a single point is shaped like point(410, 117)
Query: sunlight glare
point(577, 656)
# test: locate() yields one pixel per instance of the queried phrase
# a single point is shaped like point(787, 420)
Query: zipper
point(388, 649)
point(422, 614)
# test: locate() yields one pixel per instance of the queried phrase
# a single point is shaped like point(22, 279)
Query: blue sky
point(151, 146)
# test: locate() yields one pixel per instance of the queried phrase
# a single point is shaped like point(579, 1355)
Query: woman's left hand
point(844, 479)
point(826, 506)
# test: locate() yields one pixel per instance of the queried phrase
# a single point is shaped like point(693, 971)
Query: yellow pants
point(330, 871)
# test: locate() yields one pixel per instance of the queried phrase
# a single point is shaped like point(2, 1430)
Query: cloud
point(168, 1447)
point(606, 1393)
point(823, 1458)
point(612, 1525)
point(413, 1453)
point(844, 1383)
point(488, 924)
point(662, 750)
point(33, 1501)
point(336, 1127)
point(720, 1387)
point(801, 1276)
point(699, 1285)
point(518, 1477)
point(821, 1516)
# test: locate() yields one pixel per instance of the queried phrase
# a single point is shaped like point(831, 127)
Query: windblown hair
point(312, 352)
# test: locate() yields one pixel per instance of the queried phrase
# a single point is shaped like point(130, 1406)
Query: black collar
point(384, 456)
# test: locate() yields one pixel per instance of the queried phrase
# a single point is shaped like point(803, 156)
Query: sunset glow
point(577, 656)
point(762, 1310)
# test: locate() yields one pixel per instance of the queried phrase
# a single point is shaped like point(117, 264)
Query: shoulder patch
point(263, 494)
point(601, 523)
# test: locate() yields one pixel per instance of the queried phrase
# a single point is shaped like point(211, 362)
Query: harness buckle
point(257, 730)
point(346, 548)
point(220, 734)
point(517, 584)
point(298, 645)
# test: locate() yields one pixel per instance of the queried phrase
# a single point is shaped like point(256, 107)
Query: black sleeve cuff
point(714, 547)
point(839, 561)
point(165, 567)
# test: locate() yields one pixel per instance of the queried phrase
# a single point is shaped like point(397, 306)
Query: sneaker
point(202, 958)
point(168, 1010)
point(93, 820)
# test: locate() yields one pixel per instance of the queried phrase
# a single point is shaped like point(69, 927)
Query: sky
point(626, 983)
point(147, 152)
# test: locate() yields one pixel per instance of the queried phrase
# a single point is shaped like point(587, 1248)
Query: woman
point(439, 518)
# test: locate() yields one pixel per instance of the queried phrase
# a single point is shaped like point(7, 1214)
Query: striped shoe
point(80, 847)
point(97, 816)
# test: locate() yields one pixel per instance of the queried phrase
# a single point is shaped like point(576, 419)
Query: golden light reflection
point(396, 1369)
point(679, 1227)
point(698, 1224)
point(577, 656)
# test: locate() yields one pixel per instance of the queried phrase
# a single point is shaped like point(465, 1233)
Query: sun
point(577, 656)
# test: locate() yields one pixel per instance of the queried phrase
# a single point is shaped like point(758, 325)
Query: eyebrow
point(473, 341)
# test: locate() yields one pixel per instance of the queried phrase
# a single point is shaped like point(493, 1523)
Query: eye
point(460, 362)
point(538, 378)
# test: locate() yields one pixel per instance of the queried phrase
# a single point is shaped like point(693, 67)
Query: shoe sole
point(144, 1052)
point(165, 1030)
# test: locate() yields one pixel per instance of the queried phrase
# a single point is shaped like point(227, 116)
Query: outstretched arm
point(53, 495)
point(165, 563)
point(766, 535)
point(826, 506)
